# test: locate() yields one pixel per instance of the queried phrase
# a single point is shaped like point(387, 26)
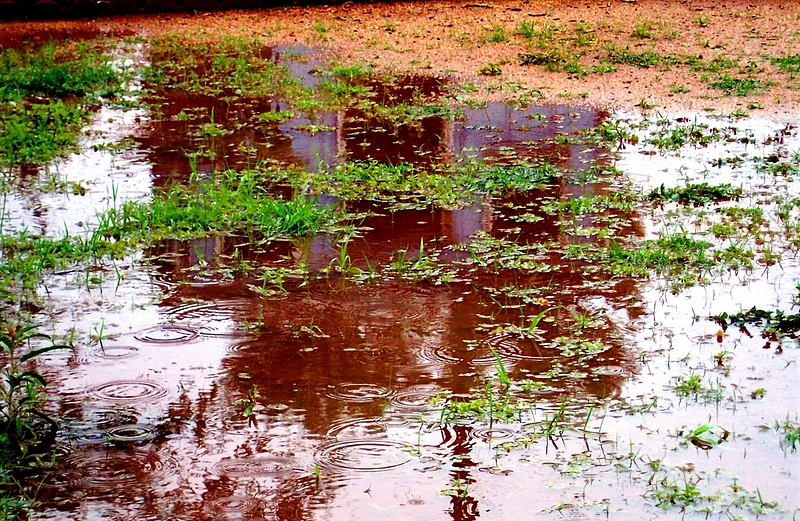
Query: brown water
point(345, 426)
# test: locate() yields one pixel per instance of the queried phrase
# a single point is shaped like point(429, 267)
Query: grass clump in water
point(501, 178)
point(57, 71)
point(233, 203)
point(773, 321)
point(697, 194)
point(673, 135)
point(678, 257)
point(38, 133)
point(791, 434)
point(664, 255)
point(75, 79)
point(685, 261)
point(417, 186)
point(26, 432)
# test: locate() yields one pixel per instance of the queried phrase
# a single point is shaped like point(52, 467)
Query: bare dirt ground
point(458, 39)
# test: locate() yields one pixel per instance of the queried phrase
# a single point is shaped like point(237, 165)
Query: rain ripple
point(136, 433)
point(115, 352)
point(358, 393)
point(366, 455)
point(493, 434)
point(167, 335)
point(609, 370)
point(416, 397)
point(506, 347)
point(129, 391)
point(235, 505)
point(248, 467)
point(362, 428)
point(108, 471)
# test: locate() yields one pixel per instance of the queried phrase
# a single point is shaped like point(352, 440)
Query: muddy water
point(345, 374)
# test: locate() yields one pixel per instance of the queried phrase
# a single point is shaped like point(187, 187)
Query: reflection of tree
point(550, 133)
point(464, 506)
point(241, 140)
point(225, 131)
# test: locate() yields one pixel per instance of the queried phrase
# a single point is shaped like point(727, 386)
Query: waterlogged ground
point(537, 341)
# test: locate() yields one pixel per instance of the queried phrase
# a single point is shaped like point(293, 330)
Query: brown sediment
point(449, 39)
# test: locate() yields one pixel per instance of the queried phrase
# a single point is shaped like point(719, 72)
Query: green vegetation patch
point(732, 85)
point(417, 186)
point(674, 135)
point(791, 434)
point(23, 424)
point(27, 433)
point(74, 78)
point(771, 320)
point(559, 49)
point(716, 64)
point(623, 201)
point(26, 257)
point(697, 194)
point(57, 70)
point(38, 133)
point(682, 259)
point(665, 255)
point(644, 59)
point(787, 63)
point(554, 59)
point(542, 34)
point(646, 29)
point(490, 69)
point(233, 204)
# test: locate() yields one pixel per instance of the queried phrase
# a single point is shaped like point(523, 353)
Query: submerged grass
point(73, 78)
point(696, 193)
point(38, 133)
point(450, 185)
point(236, 67)
point(232, 203)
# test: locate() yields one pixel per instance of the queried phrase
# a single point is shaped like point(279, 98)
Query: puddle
point(199, 392)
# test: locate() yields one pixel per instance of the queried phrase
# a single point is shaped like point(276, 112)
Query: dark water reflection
point(213, 133)
point(481, 134)
point(339, 375)
point(344, 374)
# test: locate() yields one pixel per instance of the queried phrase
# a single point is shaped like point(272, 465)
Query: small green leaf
point(37, 352)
